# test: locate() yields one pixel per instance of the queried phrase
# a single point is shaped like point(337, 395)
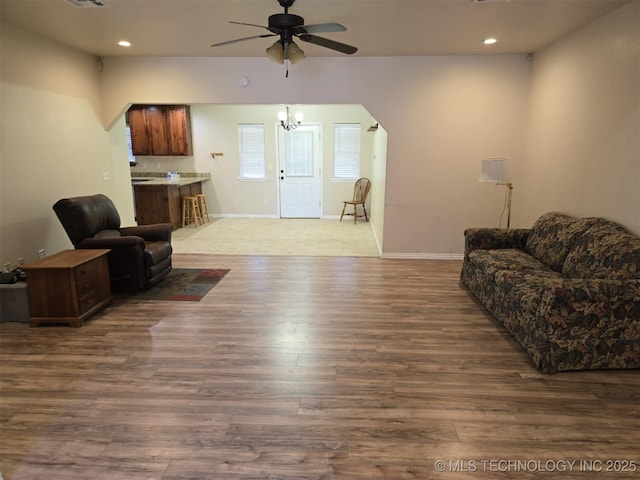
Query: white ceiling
point(376, 27)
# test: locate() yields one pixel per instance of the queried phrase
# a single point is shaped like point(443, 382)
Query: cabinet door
point(137, 119)
point(158, 131)
point(178, 127)
point(152, 204)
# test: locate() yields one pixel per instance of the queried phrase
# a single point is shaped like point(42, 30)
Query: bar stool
point(204, 209)
point(191, 211)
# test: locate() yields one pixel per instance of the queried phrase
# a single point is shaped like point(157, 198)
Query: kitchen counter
point(146, 180)
point(159, 200)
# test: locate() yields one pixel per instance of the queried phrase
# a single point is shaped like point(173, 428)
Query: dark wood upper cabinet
point(179, 124)
point(137, 121)
point(160, 129)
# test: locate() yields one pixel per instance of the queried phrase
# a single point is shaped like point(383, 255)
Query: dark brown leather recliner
point(140, 256)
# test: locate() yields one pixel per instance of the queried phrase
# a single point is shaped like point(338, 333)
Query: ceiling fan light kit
point(275, 52)
point(287, 26)
point(295, 53)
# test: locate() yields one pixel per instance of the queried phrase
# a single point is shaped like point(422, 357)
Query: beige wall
point(378, 183)
point(53, 143)
point(583, 144)
point(122, 190)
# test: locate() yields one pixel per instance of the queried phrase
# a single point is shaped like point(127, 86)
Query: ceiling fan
point(287, 25)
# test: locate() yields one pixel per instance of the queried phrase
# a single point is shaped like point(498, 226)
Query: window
point(299, 153)
point(132, 157)
point(346, 151)
point(251, 147)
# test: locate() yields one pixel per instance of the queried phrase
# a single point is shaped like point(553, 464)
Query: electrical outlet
point(41, 253)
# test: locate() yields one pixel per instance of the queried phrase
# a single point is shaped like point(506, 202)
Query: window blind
point(251, 148)
point(132, 157)
point(299, 153)
point(346, 152)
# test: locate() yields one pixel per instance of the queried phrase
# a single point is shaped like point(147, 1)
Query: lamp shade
point(275, 52)
point(295, 53)
point(494, 170)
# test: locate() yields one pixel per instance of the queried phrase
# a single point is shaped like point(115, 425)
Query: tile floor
point(294, 237)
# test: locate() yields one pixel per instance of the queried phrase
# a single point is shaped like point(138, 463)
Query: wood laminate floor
point(305, 368)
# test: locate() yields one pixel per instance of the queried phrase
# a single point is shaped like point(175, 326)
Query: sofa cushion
point(553, 236)
point(510, 259)
point(483, 267)
point(607, 250)
point(521, 293)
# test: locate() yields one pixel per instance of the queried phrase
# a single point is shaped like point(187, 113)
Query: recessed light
point(489, 41)
point(124, 43)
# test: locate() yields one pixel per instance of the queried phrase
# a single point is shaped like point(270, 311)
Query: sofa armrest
point(597, 308)
point(494, 238)
point(150, 233)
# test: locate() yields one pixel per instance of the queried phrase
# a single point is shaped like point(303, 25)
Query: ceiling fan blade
point(325, 42)
point(249, 24)
point(243, 39)
point(319, 28)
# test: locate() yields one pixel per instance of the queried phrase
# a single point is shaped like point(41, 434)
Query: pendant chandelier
point(287, 122)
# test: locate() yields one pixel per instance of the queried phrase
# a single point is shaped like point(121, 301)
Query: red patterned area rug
point(184, 284)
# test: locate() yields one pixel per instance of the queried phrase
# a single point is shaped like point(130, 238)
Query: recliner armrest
point(150, 233)
point(112, 242)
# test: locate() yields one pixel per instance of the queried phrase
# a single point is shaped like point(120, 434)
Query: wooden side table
point(68, 287)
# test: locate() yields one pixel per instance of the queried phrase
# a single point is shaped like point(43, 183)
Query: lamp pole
point(509, 186)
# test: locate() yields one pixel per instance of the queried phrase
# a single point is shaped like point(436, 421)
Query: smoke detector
point(86, 3)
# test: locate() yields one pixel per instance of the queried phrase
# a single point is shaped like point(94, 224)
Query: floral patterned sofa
point(567, 289)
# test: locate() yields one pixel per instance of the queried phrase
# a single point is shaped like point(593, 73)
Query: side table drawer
point(85, 274)
point(87, 277)
point(90, 285)
point(68, 287)
point(88, 301)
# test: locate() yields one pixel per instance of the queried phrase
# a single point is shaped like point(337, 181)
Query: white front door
point(299, 172)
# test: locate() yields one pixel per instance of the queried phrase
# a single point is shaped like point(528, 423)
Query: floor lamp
point(494, 171)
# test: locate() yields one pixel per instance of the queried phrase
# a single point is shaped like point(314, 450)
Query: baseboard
point(424, 256)
point(217, 215)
